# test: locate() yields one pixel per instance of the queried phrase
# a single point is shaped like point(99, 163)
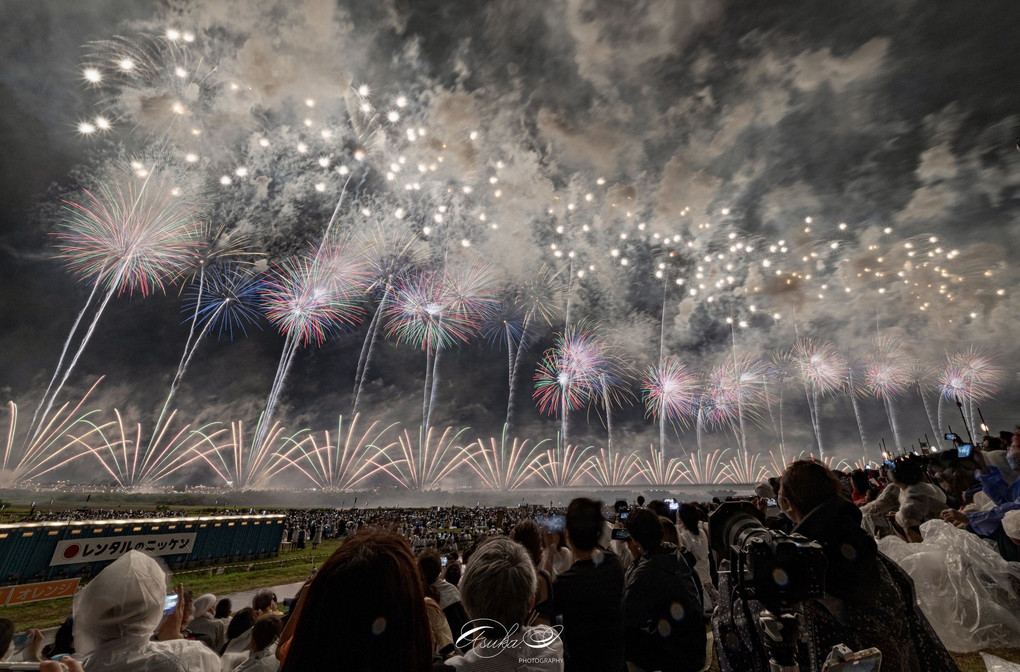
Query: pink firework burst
point(970, 375)
point(568, 374)
point(437, 310)
point(129, 237)
point(670, 390)
point(820, 365)
point(887, 371)
point(302, 301)
point(736, 389)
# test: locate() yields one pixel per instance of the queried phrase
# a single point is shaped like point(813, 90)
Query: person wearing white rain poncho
point(116, 615)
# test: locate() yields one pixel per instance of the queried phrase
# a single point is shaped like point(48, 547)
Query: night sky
point(840, 172)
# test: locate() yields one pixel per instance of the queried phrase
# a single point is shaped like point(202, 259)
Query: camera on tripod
point(779, 571)
point(775, 568)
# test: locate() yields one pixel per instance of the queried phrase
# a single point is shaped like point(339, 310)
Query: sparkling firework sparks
point(658, 471)
point(340, 466)
point(252, 466)
point(562, 468)
point(392, 254)
point(50, 449)
point(132, 462)
point(822, 369)
point(735, 391)
point(503, 468)
point(670, 392)
point(612, 468)
point(308, 300)
point(421, 465)
point(567, 377)
point(128, 238)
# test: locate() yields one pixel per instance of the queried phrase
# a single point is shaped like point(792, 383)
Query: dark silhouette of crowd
point(586, 588)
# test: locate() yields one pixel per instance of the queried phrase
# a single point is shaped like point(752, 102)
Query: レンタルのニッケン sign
point(102, 549)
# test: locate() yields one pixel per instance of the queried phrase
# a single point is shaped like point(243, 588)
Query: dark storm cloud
point(877, 114)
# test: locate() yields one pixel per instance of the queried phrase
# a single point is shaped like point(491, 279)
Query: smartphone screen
point(771, 502)
point(950, 436)
point(869, 660)
point(620, 534)
point(170, 604)
point(964, 450)
point(444, 560)
point(20, 640)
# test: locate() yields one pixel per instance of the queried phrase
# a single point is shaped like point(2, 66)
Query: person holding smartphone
point(29, 643)
point(1002, 491)
point(115, 617)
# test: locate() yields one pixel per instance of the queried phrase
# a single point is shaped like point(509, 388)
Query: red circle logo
point(71, 551)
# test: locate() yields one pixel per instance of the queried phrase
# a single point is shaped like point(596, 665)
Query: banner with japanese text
point(101, 549)
point(36, 592)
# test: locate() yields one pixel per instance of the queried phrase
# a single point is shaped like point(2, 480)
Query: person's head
point(452, 573)
point(527, 533)
point(764, 491)
point(223, 608)
point(584, 523)
point(264, 602)
point(804, 485)
point(499, 584)
point(430, 565)
point(859, 478)
point(63, 639)
point(6, 637)
point(241, 622)
point(658, 507)
point(1011, 525)
point(640, 500)
point(669, 533)
point(265, 631)
point(204, 605)
point(645, 529)
point(366, 608)
point(907, 472)
point(689, 517)
point(123, 600)
point(1013, 451)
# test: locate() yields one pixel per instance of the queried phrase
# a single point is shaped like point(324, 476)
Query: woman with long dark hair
point(364, 611)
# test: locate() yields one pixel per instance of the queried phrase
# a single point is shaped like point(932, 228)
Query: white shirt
point(263, 661)
point(448, 593)
point(140, 654)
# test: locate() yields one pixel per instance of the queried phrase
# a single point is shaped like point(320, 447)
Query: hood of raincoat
point(124, 600)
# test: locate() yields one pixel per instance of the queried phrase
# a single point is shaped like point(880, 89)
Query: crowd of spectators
point(38, 515)
point(589, 587)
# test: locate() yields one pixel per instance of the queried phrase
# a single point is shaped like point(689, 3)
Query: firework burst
point(670, 393)
point(132, 462)
point(342, 461)
point(51, 448)
point(421, 465)
point(503, 467)
point(241, 465)
point(707, 467)
point(658, 471)
point(564, 467)
point(130, 237)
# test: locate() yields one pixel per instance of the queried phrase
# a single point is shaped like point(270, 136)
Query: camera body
point(777, 569)
point(783, 569)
